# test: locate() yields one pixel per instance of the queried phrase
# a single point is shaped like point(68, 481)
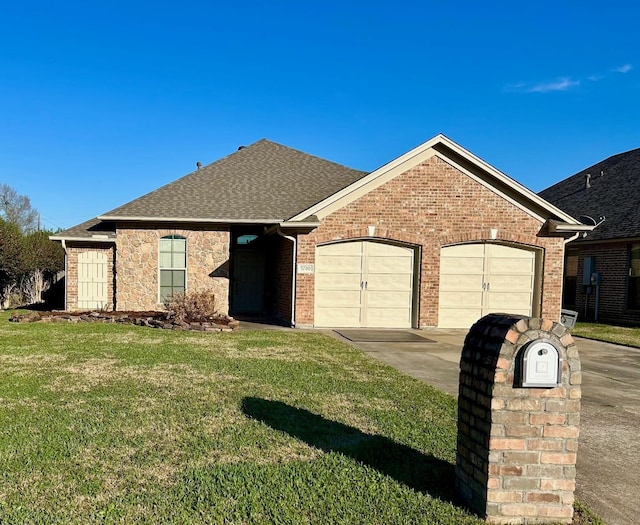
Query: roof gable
point(609, 189)
point(463, 160)
point(261, 183)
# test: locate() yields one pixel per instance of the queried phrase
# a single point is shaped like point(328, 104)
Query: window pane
point(178, 279)
point(165, 260)
point(179, 245)
point(165, 278)
point(634, 292)
point(179, 260)
point(165, 293)
point(165, 245)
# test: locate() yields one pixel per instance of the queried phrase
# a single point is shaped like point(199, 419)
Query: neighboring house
point(436, 237)
point(607, 193)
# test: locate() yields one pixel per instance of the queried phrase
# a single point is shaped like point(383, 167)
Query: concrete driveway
point(608, 468)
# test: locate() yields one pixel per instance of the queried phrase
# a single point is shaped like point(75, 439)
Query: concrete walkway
point(608, 468)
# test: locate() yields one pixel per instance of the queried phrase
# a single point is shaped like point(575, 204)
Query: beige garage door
point(364, 284)
point(477, 279)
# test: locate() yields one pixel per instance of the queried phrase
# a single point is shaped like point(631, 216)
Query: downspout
point(293, 276)
point(66, 273)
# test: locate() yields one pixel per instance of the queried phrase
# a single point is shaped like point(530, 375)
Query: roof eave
point(125, 218)
point(563, 227)
point(82, 239)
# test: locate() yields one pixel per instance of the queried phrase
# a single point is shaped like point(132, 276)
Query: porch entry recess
point(92, 280)
point(481, 278)
point(364, 284)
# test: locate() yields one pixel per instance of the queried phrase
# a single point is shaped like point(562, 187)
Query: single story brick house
point(606, 194)
point(435, 238)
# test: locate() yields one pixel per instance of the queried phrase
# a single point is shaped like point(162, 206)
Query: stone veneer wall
point(433, 205)
point(71, 273)
point(137, 270)
point(517, 447)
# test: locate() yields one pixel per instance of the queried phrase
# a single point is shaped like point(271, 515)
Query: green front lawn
point(609, 333)
point(120, 424)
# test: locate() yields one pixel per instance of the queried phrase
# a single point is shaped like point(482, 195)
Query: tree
point(11, 266)
point(16, 209)
point(41, 260)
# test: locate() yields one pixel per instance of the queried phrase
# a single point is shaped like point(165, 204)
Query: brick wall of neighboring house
point(433, 205)
point(612, 261)
point(137, 269)
point(71, 277)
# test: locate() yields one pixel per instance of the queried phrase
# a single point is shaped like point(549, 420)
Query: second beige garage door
point(477, 279)
point(364, 284)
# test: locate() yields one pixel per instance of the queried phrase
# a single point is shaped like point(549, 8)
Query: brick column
point(517, 446)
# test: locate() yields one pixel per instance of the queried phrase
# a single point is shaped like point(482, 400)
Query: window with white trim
point(173, 266)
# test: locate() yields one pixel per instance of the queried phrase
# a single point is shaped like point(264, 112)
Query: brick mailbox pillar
point(518, 420)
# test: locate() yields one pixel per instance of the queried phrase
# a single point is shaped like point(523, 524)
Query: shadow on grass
point(406, 465)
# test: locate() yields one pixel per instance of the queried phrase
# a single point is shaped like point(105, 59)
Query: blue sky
point(101, 102)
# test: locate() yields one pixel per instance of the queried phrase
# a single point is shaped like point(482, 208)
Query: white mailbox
point(541, 365)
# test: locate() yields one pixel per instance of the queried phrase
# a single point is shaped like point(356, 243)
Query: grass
point(120, 424)
point(609, 333)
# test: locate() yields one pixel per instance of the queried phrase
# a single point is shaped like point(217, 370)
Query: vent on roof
point(198, 165)
point(241, 147)
point(588, 181)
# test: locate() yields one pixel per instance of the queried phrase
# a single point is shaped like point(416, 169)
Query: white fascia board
point(185, 219)
point(556, 226)
point(82, 239)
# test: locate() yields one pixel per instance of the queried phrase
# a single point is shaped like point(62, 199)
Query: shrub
point(192, 306)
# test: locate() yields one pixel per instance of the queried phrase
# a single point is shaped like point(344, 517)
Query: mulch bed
point(150, 319)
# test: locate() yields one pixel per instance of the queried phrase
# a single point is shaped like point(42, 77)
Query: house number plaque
point(306, 268)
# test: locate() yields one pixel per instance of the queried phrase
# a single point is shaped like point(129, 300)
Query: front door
point(248, 282)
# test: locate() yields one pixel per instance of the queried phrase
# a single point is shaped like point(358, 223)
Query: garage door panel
point(345, 317)
point(464, 250)
point(342, 248)
point(340, 264)
point(390, 282)
point(388, 317)
point(459, 317)
point(390, 264)
point(508, 302)
point(459, 265)
point(452, 282)
point(499, 251)
point(381, 299)
point(512, 283)
point(338, 281)
point(339, 298)
point(461, 300)
point(510, 266)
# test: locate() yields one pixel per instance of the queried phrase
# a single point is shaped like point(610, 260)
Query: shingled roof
point(262, 183)
point(612, 191)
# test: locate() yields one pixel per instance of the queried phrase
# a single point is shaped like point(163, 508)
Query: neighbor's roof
point(614, 194)
point(262, 183)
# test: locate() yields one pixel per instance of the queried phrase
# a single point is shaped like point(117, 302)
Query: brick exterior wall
point(137, 269)
point(71, 275)
point(284, 279)
point(432, 205)
point(517, 446)
point(612, 261)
